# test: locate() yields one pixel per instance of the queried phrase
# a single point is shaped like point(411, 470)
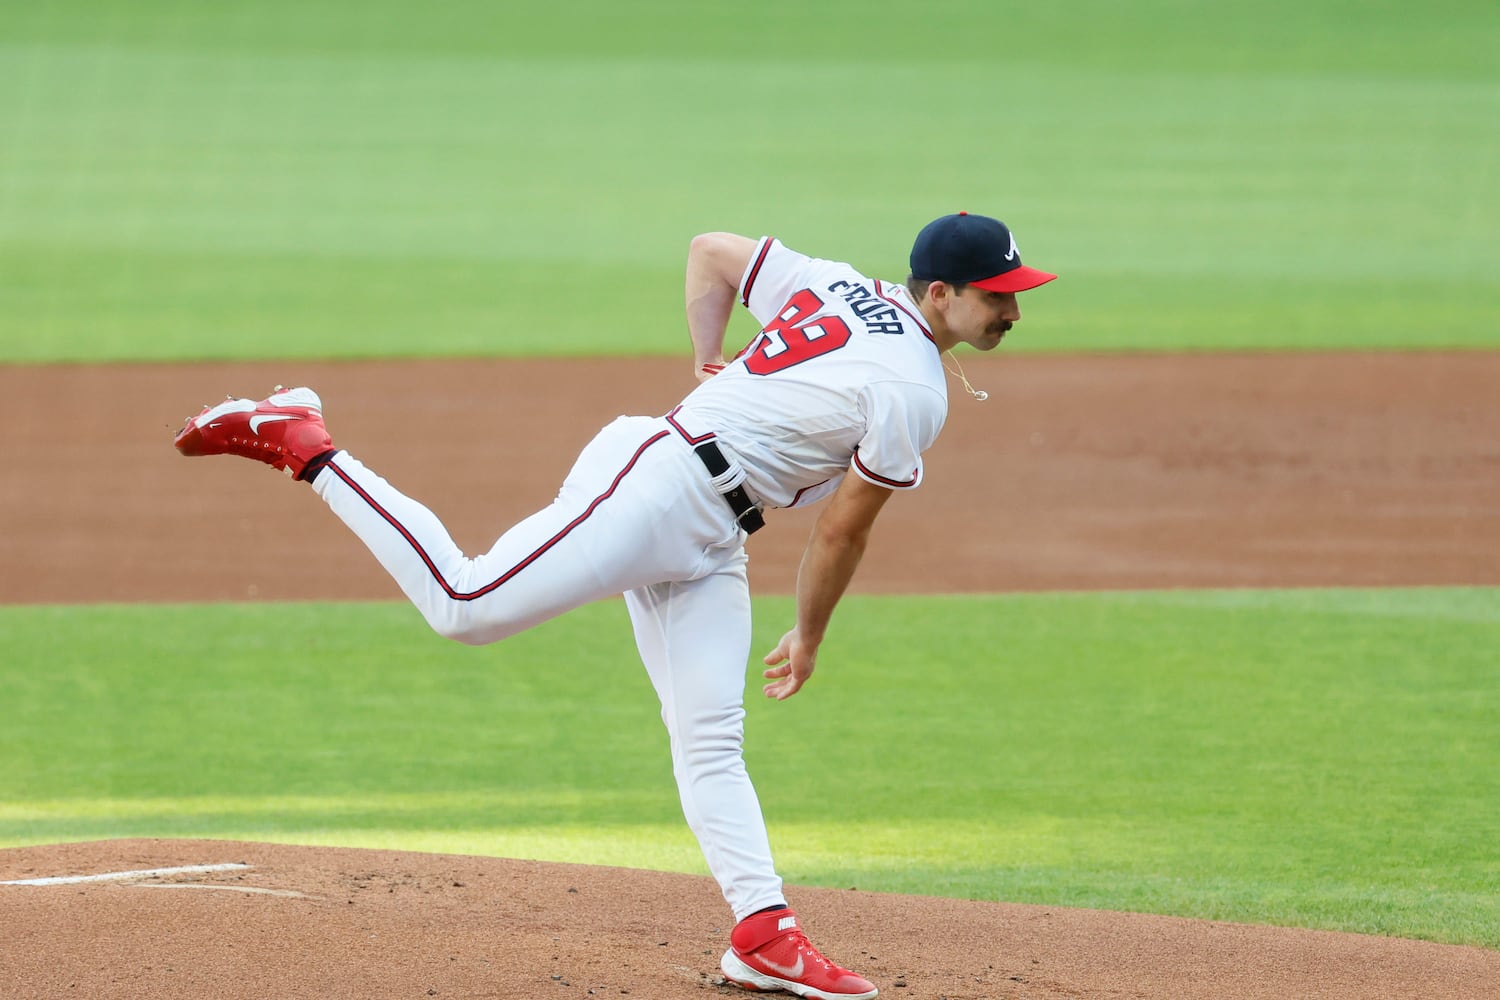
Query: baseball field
point(1176, 678)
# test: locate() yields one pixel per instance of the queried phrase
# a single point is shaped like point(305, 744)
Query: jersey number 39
point(796, 335)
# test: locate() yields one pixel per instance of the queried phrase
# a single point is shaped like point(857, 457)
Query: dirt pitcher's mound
point(292, 922)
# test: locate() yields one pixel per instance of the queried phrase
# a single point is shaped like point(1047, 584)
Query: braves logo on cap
point(973, 250)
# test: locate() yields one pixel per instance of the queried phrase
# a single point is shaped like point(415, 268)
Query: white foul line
point(125, 876)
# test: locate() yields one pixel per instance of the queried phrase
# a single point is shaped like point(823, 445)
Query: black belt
point(739, 501)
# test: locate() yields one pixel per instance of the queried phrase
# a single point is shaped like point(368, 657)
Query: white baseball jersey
point(844, 374)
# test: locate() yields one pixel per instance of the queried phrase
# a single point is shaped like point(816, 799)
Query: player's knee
point(460, 627)
point(469, 637)
point(714, 741)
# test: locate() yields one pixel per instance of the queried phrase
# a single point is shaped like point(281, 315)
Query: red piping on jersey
point(881, 479)
point(510, 573)
point(803, 490)
point(685, 435)
point(916, 317)
point(755, 270)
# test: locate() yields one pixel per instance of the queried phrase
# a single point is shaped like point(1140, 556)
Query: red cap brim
point(1017, 279)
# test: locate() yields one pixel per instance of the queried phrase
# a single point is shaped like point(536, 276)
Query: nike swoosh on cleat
point(790, 972)
point(264, 418)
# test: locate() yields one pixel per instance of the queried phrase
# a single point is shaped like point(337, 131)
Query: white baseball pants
point(639, 515)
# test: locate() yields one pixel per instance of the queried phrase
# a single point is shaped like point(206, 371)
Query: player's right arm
point(834, 550)
point(715, 264)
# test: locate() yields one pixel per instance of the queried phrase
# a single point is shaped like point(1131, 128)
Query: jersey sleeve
point(773, 275)
point(902, 421)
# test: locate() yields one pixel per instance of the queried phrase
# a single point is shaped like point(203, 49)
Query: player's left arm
point(838, 541)
point(715, 264)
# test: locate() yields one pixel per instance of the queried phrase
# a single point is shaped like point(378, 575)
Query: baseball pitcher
point(835, 400)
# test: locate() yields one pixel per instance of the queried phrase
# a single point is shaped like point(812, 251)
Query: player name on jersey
point(878, 315)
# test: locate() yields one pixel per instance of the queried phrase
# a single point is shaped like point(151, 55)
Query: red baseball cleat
point(768, 951)
point(285, 430)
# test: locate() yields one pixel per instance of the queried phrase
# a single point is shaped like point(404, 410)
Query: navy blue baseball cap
point(973, 250)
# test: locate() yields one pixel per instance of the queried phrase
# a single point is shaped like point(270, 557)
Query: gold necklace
point(958, 369)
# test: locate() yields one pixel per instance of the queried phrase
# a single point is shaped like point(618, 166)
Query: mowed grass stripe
point(229, 186)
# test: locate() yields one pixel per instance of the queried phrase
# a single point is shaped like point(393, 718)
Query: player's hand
point(709, 369)
point(791, 664)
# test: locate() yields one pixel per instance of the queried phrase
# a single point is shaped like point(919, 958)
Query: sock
point(315, 465)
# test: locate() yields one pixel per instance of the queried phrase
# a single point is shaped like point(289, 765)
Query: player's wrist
point(809, 639)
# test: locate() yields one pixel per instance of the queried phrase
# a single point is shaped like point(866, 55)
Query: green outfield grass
point(1315, 758)
point(333, 179)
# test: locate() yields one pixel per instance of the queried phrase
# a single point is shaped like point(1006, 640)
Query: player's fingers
point(791, 676)
point(784, 688)
point(780, 653)
point(789, 667)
